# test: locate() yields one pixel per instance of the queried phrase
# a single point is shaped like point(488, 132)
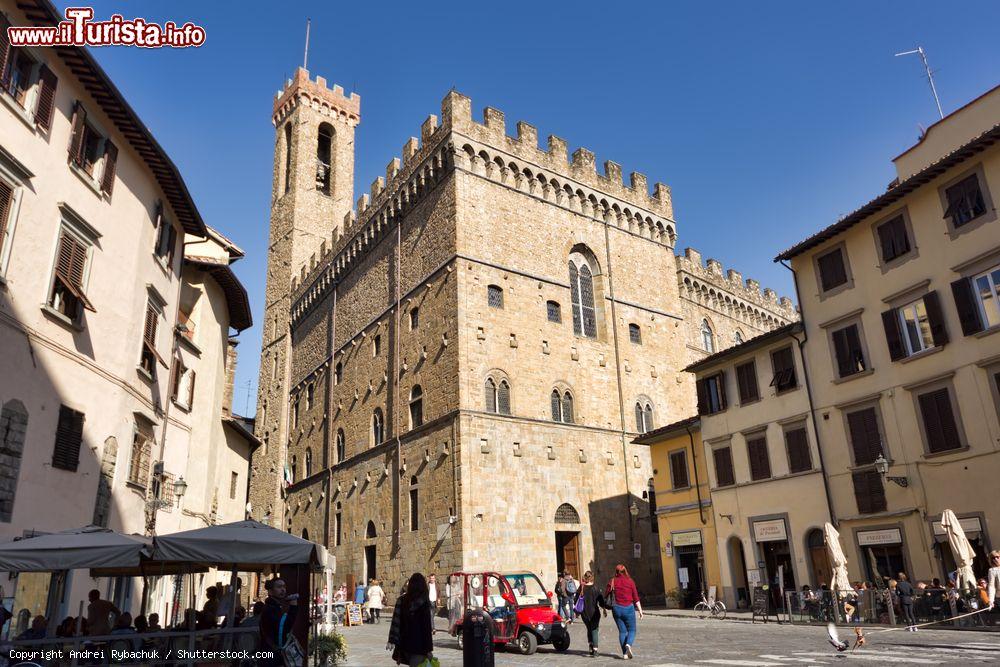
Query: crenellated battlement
point(328, 101)
point(456, 115)
point(709, 280)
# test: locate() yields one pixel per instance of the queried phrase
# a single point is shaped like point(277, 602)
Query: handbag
point(291, 652)
point(578, 607)
point(430, 661)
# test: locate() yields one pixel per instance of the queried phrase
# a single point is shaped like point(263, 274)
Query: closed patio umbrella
point(840, 581)
point(960, 548)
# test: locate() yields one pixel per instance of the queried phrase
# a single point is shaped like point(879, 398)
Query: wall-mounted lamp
point(882, 468)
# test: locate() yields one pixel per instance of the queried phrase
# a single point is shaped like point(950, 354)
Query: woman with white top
point(376, 597)
point(993, 577)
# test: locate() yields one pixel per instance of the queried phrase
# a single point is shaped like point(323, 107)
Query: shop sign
point(769, 531)
point(870, 538)
point(609, 536)
point(668, 550)
point(689, 538)
point(969, 525)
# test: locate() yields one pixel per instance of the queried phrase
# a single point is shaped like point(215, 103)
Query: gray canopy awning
point(79, 548)
point(244, 545)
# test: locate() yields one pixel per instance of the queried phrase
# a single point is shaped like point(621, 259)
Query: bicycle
point(712, 607)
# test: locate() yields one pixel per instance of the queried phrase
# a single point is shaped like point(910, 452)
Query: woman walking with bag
point(591, 606)
point(624, 598)
point(410, 633)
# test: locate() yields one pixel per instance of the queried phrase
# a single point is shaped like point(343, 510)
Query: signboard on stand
point(353, 615)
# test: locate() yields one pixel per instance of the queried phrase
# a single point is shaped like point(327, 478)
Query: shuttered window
point(6, 209)
point(760, 464)
point(965, 201)
point(869, 493)
point(978, 301)
point(69, 437)
point(711, 394)
point(166, 238)
point(939, 421)
point(783, 364)
point(679, 469)
point(915, 327)
point(797, 444)
point(67, 295)
point(893, 239)
point(723, 459)
point(149, 357)
point(47, 83)
point(139, 456)
point(866, 439)
point(746, 381)
point(847, 350)
point(832, 272)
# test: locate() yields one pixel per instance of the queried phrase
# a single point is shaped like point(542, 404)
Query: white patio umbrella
point(840, 581)
point(960, 548)
point(78, 548)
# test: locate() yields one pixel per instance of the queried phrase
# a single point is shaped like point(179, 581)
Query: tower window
point(581, 284)
point(707, 337)
point(341, 446)
point(494, 296)
point(323, 152)
point(635, 334)
point(378, 427)
point(288, 156)
point(553, 311)
point(414, 318)
point(376, 345)
point(416, 406)
point(414, 504)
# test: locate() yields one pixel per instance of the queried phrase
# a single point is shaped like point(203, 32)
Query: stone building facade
point(463, 360)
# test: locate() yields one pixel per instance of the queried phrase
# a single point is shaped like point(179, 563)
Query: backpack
point(571, 586)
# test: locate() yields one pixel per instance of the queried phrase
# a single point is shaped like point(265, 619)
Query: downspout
point(398, 519)
point(618, 373)
point(812, 408)
point(697, 484)
point(327, 459)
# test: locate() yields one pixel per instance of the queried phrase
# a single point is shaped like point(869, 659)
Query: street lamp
point(882, 468)
point(180, 488)
point(633, 509)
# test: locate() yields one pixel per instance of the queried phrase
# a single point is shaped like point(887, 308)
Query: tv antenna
point(927, 68)
point(305, 56)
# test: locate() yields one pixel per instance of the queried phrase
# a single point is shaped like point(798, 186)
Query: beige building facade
point(116, 309)
point(462, 360)
point(899, 301)
point(764, 468)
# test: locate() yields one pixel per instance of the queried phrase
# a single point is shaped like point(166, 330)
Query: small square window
point(553, 311)
point(965, 201)
point(783, 364)
point(894, 241)
point(832, 269)
point(494, 296)
point(635, 334)
point(848, 351)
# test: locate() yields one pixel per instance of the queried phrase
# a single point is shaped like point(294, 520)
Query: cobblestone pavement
point(669, 641)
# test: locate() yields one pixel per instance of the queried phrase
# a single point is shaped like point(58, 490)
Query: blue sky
point(769, 120)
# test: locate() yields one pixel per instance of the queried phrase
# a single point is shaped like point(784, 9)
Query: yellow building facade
point(681, 507)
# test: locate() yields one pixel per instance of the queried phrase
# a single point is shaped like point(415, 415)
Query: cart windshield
point(528, 591)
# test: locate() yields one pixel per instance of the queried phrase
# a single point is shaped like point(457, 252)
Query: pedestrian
point(99, 614)
point(560, 591)
point(624, 598)
point(993, 578)
point(594, 606)
point(376, 596)
point(572, 588)
point(410, 633)
point(432, 595)
point(359, 593)
point(276, 621)
point(904, 590)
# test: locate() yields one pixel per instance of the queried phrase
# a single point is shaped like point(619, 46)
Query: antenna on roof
point(305, 57)
point(930, 77)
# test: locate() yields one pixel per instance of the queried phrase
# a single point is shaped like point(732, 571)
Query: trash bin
point(477, 639)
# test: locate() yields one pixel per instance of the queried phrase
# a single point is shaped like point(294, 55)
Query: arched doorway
point(370, 552)
point(567, 521)
point(738, 567)
point(819, 558)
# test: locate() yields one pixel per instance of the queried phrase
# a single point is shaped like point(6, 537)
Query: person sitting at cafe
point(37, 629)
point(253, 620)
point(154, 623)
point(99, 614)
point(123, 626)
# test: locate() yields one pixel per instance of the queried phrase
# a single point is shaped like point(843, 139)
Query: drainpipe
point(812, 408)
point(697, 484)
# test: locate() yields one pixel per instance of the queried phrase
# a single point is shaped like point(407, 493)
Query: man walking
point(561, 592)
point(571, 589)
point(432, 595)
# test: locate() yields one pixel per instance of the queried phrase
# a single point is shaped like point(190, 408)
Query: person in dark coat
point(411, 632)
point(594, 606)
point(277, 620)
point(904, 590)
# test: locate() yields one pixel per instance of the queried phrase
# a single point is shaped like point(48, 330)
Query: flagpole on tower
point(305, 57)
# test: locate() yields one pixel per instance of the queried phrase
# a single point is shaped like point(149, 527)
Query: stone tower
point(311, 194)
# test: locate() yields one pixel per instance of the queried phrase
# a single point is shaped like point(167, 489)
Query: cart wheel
point(561, 644)
point(461, 639)
point(527, 643)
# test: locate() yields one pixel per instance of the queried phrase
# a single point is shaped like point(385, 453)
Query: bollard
point(477, 639)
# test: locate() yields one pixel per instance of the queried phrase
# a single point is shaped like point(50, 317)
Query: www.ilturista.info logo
point(79, 29)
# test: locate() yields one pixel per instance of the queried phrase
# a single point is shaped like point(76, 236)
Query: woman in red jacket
point(624, 598)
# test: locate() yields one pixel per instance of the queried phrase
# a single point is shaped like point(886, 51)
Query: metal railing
point(882, 607)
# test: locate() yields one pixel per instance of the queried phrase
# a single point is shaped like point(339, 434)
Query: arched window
point(553, 311)
point(416, 406)
point(288, 156)
point(324, 149)
point(556, 406)
point(503, 398)
point(338, 373)
point(309, 462)
point(378, 427)
point(567, 408)
point(635, 334)
point(337, 531)
point(494, 296)
point(414, 504)
point(643, 416)
point(491, 395)
point(370, 532)
point(341, 445)
point(310, 395)
point(738, 337)
point(581, 284)
point(707, 338)
point(305, 533)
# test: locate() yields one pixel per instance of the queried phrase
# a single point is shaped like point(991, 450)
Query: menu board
point(354, 615)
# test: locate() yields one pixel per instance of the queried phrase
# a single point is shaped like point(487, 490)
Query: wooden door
point(822, 570)
point(571, 554)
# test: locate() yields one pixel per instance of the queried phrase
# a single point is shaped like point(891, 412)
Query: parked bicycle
point(710, 607)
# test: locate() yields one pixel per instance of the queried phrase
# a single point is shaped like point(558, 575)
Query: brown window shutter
point(939, 421)
point(799, 458)
point(194, 376)
point(678, 470)
point(76, 139)
point(866, 442)
point(110, 160)
point(722, 390)
point(869, 493)
point(171, 243)
point(967, 307)
point(760, 464)
point(71, 262)
point(832, 271)
point(149, 329)
point(176, 371)
point(939, 332)
point(841, 352)
point(6, 203)
point(5, 48)
point(893, 336)
point(723, 457)
point(47, 82)
point(69, 436)
point(746, 379)
point(702, 390)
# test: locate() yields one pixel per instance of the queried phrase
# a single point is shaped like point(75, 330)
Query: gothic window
point(556, 406)
point(567, 408)
point(643, 416)
point(503, 398)
point(416, 406)
point(414, 504)
point(378, 427)
point(324, 150)
point(738, 338)
point(707, 338)
point(562, 406)
point(494, 296)
point(309, 462)
point(491, 395)
point(414, 318)
point(581, 283)
point(341, 445)
point(338, 373)
point(337, 531)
